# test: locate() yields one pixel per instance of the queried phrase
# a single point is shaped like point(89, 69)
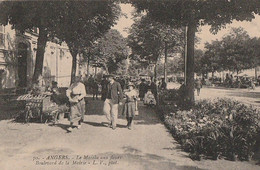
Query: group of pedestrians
point(92, 86)
point(112, 95)
point(146, 86)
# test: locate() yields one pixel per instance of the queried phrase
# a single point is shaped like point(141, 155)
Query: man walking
point(198, 86)
point(114, 97)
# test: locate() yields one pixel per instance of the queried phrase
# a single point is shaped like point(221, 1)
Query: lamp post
point(185, 57)
point(165, 61)
point(166, 55)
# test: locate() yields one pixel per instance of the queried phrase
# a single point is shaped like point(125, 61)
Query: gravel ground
point(95, 146)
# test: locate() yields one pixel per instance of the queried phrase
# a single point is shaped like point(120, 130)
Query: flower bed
point(219, 128)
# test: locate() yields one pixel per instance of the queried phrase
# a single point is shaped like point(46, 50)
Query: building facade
point(17, 59)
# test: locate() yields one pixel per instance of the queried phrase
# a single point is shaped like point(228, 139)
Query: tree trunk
point(155, 71)
point(256, 72)
point(155, 81)
point(74, 65)
point(95, 71)
point(165, 63)
point(190, 62)
point(88, 66)
point(41, 44)
point(185, 57)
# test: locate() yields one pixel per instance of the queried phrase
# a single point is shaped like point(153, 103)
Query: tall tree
point(83, 22)
point(24, 15)
point(211, 61)
point(194, 13)
point(148, 40)
point(254, 46)
point(235, 54)
point(110, 51)
point(198, 54)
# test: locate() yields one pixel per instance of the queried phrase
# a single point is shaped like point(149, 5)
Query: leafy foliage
point(78, 23)
point(147, 39)
point(214, 13)
point(25, 15)
point(81, 23)
point(235, 52)
point(235, 55)
point(219, 128)
point(194, 13)
point(110, 51)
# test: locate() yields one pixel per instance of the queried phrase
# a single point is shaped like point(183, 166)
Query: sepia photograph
point(130, 84)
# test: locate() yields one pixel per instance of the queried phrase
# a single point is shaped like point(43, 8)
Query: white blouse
point(77, 89)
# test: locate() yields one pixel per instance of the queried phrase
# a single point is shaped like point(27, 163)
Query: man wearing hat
point(114, 97)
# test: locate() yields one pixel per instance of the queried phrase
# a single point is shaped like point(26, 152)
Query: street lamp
point(166, 55)
point(165, 62)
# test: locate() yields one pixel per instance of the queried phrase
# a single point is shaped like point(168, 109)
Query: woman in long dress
point(76, 93)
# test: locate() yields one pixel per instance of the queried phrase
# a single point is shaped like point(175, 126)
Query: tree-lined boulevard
point(148, 146)
point(191, 108)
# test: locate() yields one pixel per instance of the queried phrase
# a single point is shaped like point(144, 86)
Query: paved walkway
point(247, 96)
point(95, 146)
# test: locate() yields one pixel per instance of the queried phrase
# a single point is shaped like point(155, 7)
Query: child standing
point(130, 105)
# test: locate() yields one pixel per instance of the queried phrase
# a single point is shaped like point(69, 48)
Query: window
point(2, 36)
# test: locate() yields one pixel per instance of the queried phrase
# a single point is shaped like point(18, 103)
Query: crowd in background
point(98, 87)
point(113, 90)
point(237, 81)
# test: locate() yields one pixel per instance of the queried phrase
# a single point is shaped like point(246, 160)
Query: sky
point(253, 27)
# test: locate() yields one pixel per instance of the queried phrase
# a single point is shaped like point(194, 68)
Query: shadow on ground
point(62, 126)
point(147, 115)
point(135, 158)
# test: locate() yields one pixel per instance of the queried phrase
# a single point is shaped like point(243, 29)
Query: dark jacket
point(198, 84)
point(116, 92)
point(153, 88)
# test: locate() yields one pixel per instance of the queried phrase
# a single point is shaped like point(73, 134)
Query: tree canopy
point(81, 23)
point(78, 23)
point(110, 51)
point(25, 15)
point(192, 13)
point(235, 52)
point(211, 12)
point(148, 38)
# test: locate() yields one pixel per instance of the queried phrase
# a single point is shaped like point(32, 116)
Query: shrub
point(174, 97)
point(218, 128)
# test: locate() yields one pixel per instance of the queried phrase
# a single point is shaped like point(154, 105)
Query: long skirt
point(129, 109)
point(141, 94)
point(77, 112)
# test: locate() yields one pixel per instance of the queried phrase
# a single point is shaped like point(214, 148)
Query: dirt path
point(247, 96)
point(95, 146)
